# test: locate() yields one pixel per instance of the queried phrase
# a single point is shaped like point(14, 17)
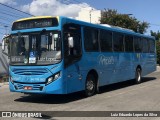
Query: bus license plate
point(27, 88)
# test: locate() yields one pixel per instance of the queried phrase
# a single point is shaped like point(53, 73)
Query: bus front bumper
point(56, 87)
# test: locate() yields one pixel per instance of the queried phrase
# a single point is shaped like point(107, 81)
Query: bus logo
point(104, 60)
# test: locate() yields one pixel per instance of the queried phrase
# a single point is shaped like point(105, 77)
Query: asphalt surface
point(125, 96)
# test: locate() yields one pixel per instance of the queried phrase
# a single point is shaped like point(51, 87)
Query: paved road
point(125, 96)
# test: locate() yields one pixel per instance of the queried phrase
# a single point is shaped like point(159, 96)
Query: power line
point(9, 14)
point(154, 24)
point(1, 33)
point(2, 28)
point(16, 9)
point(8, 19)
point(4, 24)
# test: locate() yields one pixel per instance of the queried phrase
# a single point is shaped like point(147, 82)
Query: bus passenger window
point(91, 40)
point(152, 45)
point(145, 45)
point(137, 44)
point(106, 41)
point(128, 43)
point(118, 42)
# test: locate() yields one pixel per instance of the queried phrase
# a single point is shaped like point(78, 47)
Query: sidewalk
point(158, 69)
point(4, 83)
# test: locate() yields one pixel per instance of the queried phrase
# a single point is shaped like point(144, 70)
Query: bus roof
point(109, 27)
point(36, 17)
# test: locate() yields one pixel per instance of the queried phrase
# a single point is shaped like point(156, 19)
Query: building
point(89, 15)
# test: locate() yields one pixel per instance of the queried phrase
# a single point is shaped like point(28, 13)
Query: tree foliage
point(157, 37)
point(112, 17)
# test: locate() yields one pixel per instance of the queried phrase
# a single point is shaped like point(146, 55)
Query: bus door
point(72, 56)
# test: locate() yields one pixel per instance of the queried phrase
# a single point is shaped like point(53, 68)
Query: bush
point(158, 51)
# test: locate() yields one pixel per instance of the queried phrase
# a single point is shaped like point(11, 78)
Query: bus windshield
point(39, 48)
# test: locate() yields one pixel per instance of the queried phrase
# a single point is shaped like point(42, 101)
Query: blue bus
point(59, 55)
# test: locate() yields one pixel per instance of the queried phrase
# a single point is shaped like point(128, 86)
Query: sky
point(143, 10)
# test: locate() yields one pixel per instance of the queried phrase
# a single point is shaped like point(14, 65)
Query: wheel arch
point(139, 66)
point(95, 73)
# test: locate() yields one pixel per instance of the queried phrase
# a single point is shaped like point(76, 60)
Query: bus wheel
point(90, 86)
point(138, 76)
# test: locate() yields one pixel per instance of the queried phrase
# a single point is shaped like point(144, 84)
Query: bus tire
point(138, 77)
point(90, 85)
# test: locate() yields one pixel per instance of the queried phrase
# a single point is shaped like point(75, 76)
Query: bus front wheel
point(90, 86)
point(138, 76)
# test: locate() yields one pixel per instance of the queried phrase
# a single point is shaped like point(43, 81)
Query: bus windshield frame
point(36, 48)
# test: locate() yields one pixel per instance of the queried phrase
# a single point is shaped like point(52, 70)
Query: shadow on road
point(50, 99)
point(60, 99)
point(122, 85)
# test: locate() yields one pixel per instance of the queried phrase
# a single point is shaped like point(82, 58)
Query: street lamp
point(127, 14)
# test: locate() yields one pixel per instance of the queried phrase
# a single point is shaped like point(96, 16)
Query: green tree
point(112, 17)
point(157, 37)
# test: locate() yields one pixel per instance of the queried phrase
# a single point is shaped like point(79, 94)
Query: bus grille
point(30, 71)
point(34, 87)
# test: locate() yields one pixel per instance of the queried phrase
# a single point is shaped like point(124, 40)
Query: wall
point(3, 63)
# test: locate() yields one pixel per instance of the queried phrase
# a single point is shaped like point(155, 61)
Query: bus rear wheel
point(90, 85)
point(138, 77)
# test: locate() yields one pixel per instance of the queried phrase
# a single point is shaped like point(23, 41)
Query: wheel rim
point(90, 85)
point(138, 76)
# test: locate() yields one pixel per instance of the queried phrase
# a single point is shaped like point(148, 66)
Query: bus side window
point(91, 40)
point(118, 42)
point(145, 45)
point(137, 44)
point(106, 41)
point(152, 46)
point(72, 42)
point(128, 43)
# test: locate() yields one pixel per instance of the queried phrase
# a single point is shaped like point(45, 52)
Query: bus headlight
point(53, 78)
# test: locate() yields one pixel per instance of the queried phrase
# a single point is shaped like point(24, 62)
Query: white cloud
point(9, 2)
point(53, 7)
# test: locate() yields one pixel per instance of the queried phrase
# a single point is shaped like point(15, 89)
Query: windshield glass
point(35, 48)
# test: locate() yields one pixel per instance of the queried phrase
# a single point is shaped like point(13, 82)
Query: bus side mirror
point(3, 47)
point(70, 42)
